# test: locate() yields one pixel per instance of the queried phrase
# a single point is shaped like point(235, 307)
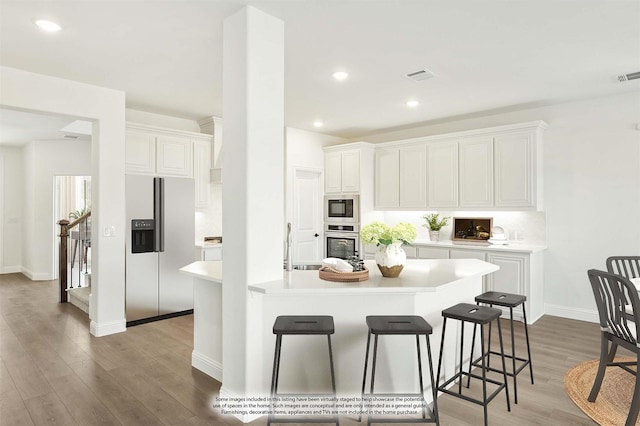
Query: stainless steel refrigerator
point(160, 241)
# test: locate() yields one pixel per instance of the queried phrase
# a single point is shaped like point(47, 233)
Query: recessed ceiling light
point(318, 123)
point(340, 75)
point(412, 103)
point(48, 26)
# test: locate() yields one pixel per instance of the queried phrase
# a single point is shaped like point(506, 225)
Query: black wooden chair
point(619, 310)
point(627, 266)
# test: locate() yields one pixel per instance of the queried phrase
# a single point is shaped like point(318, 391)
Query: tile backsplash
point(523, 226)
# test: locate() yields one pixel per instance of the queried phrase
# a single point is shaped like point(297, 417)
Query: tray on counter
point(329, 274)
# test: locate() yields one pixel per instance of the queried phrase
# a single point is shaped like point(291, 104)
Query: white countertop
point(418, 275)
point(210, 270)
point(510, 246)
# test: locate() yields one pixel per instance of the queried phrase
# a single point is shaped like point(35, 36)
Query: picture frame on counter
point(472, 229)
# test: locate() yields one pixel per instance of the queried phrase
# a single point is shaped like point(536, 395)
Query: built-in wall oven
point(342, 241)
point(342, 209)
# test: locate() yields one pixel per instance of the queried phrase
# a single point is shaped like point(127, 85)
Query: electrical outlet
point(109, 231)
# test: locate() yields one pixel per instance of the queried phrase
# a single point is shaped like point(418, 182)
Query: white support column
point(253, 189)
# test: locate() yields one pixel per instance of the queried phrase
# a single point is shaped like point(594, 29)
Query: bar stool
point(400, 325)
point(301, 325)
point(510, 301)
point(477, 315)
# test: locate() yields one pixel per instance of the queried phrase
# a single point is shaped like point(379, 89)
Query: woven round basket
point(329, 274)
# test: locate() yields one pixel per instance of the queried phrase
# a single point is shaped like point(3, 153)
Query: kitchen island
point(425, 287)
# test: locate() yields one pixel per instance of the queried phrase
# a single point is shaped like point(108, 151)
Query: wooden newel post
point(62, 273)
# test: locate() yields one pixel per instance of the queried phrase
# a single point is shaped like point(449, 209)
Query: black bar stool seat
point(302, 325)
point(477, 315)
point(411, 325)
point(510, 301)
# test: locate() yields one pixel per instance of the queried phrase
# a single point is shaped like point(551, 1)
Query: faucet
point(287, 259)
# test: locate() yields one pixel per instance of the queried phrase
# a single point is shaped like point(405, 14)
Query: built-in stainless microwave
point(341, 209)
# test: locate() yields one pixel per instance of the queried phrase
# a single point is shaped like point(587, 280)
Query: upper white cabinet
point(387, 167)
point(173, 156)
point(516, 170)
point(350, 169)
point(165, 152)
point(342, 171)
point(475, 171)
point(498, 167)
point(413, 176)
point(442, 172)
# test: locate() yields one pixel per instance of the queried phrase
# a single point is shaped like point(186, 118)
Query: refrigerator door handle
point(158, 213)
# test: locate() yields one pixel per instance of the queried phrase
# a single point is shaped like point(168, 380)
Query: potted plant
point(390, 256)
point(435, 223)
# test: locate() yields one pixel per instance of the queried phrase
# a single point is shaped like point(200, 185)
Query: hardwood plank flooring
point(53, 372)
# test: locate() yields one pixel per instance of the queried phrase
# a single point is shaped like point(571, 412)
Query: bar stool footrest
point(524, 361)
point(501, 386)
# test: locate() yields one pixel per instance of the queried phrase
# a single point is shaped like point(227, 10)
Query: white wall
point(12, 188)
point(42, 161)
point(106, 109)
point(591, 189)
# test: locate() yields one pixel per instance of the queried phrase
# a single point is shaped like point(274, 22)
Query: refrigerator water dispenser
point(142, 235)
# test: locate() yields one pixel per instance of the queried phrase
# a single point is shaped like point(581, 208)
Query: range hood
point(213, 126)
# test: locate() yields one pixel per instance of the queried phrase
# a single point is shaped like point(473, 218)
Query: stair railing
point(65, 227)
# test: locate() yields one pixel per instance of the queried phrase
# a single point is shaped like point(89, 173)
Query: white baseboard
point(572, 313)
point(107, 328)
point(207, 365)
point(11, 269)
point(36, 276)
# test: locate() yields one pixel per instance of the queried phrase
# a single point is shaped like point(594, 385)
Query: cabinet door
point(140, 153)
point(413, 176)
point(467, 254)
point(387, 178)
point(201, 172)
point(433, 253)
point(173, 156)
point(476, 172)
point(333, 173)
point(442, 174)
point(511, 277)
point(350, 169)
point(514, 170)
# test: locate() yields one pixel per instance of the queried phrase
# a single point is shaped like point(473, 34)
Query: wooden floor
point(53, 372)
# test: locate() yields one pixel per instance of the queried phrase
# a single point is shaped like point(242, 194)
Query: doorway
point(72, 199)
point(307, 216)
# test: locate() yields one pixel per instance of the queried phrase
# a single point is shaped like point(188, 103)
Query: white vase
point(434, 235)
point(391, 259)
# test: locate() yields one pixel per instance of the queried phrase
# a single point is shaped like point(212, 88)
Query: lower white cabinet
point(519, 273)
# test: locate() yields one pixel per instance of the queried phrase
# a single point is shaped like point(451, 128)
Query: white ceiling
point(488, 54)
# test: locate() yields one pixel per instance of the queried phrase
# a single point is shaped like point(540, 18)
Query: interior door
point(307, 242)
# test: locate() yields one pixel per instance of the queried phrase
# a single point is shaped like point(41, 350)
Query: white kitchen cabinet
point(387, 178)
point(413, 176)
point(350, 169)
point(158, 151)
point(519, 273)
point(173, 156)
point(433, 253)
point(333, 172)
point(201, 172)
point(211, 252)
point(467, 254)
point(442, 174)
point(140, 152)
point(342, 171)
point(475, 167)
point(516, 170)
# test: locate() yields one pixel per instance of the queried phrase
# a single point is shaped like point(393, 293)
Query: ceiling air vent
point(627, 77)
point(420, 75)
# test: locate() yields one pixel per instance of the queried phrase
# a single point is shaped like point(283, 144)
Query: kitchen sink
point(306, 267)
